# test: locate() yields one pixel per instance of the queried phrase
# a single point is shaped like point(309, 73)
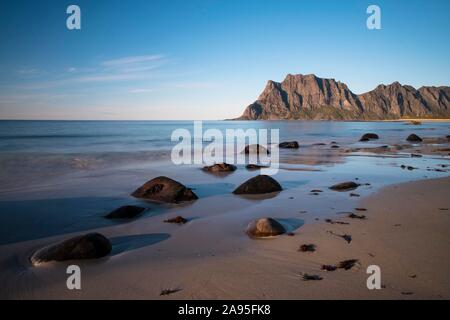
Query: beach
point(404, 200)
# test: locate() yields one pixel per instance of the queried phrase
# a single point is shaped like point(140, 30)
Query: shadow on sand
point(128, 243)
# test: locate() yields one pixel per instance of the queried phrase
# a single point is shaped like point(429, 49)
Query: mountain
point(312, 98)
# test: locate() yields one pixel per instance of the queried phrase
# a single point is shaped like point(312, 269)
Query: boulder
point(125, 212)
point(255, 148)
point(264, 227)
point(164, 189)
point(345, 186)
point(369, 136)
point(220, 167)
point(88, 246)
point(414, 138)
point(258, 185)
point(289, 145)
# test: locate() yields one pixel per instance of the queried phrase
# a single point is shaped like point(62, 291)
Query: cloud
point(195, 85)
point(133, 60)
point(144, 90)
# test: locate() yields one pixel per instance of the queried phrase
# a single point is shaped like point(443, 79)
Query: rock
point(125, 212)
point(255, 148)
point(264, 227)
point(414, 138)
point(356, 216)
point(220, 167)
point(448, 137)
point(255, 166)
point(313, 98)
point(88, 246)
point(164, 189)
point(178, 219)
point(335, 146)
point(289, 145)
point(258, 185)
point(369, 136)
point(345, 186)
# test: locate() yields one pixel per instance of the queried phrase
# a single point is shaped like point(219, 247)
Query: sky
point(205, 59)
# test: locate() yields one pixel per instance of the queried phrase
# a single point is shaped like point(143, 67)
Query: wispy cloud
point(133, 60)
point(143, 90)
point(195, 85)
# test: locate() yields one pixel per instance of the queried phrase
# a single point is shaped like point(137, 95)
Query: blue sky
point(205, 59)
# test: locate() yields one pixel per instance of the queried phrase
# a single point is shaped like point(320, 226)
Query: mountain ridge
point(308, 97)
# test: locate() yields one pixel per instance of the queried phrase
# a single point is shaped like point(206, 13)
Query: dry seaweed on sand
point(307, 248)
point(346, 237)
point(166, 292)
point(335, 222)
point(309, 277)
point(328, 267)
point(347, 264)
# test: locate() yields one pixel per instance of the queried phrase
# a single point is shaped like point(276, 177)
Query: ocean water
point(63, 176)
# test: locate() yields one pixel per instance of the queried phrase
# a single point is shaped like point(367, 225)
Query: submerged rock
point(259, 185)
point(289, 145)
point(178, 219)
point(369, 136)
point(264, 227)
point(255, 148)
point(88, 246)
point(164, 189)
point(414, 138)
point(125, 212)
point(255, 166)
point(345, 186)
point(220, 167)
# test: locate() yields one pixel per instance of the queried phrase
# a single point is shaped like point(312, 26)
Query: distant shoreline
point(219, 120)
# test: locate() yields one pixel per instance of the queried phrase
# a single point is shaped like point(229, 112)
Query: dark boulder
point(414, 138)
point(259, 185)
point(289, 145)
point(125, 212)
point(369, 136)
point(264, 227)
point(220, 167)
point(88, 246)
point(164, 189)
point(345, 186)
